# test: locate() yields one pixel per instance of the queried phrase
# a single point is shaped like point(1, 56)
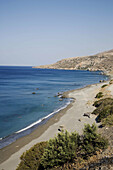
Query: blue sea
point(21, 111)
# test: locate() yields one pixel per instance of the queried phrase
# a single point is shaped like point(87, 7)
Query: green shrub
point(30, 160)
point(101, 104)
point(108, 121)
point(92, 141)
point(63, 148)
point(99, 95)
point(107, 110)
point(111, 81)
point(104, 109)
point(60, 149)
point(104, 85)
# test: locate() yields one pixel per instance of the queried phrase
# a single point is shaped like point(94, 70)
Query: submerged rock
point(33, 93)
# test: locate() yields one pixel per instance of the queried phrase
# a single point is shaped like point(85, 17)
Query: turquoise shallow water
point(20, 110)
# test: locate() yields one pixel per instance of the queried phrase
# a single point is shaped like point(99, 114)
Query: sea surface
point(21, 111)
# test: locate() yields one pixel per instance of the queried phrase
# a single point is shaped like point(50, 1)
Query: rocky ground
point(101, 61)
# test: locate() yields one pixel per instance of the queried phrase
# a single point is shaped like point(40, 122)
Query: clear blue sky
point(35, 32)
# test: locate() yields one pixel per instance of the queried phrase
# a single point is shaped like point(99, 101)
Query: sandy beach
point(71, 118)
point(56, 64)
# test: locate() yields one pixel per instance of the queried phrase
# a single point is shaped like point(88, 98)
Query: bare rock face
point(101, 61)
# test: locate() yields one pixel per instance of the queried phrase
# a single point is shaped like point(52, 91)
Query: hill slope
point(101, 61)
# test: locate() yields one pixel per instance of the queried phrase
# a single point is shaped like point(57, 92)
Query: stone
point(33, 93)
point(59, 94)
point(100, 81)
point(87, 114)
point(61, 128)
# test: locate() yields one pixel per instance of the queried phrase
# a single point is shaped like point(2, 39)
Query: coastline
point(33, 126)
point(19, 143)
point(84, 99)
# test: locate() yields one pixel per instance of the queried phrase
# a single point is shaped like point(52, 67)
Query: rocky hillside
point(101, 61)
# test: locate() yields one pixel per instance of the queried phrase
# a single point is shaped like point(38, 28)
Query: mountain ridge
point(100, 61)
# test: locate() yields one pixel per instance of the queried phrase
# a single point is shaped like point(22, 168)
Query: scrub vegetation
point(104, 85)
point(104, 111)
point(64, 148)
point(99, 95)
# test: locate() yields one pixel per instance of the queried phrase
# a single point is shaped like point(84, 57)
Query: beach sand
point(71, 118)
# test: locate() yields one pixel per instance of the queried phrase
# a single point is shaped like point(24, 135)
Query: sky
point(36, 32)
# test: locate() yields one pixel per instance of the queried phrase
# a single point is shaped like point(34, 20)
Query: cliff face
point(101, 61)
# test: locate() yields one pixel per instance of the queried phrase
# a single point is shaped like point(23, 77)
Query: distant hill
point(101, 61)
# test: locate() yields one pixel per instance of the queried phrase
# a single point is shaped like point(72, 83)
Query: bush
point(107, 110)
point(99, 95)
point(30, 160)
point(111, 81)
point(104, 109)
point(108, 121)
point(60, 149)
point(101, 104)
point(92, 141)
point(104, 85)
point(64, 148)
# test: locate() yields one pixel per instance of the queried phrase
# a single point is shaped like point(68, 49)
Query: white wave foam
point(40, 120)
point(33, 124)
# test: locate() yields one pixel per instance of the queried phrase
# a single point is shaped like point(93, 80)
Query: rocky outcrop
point(101, 61)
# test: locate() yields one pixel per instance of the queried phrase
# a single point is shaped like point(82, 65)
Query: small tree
point(92, 141)
point(108, 121)
point(99, 95)
point(60, 149)
point(107, 110)
point(30, 160)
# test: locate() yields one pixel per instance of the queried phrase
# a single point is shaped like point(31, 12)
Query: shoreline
point(10, 154)
point(40, 129)
point(12, 148)
point(34, 125)
point(8, 140)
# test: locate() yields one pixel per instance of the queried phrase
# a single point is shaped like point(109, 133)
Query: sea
point(29, 97)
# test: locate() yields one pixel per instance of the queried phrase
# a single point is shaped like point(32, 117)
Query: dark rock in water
point(87, 114)
point(59, 94)
point(33, 93)
point(37, 88)
point(63, 97)
point(100, 81)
